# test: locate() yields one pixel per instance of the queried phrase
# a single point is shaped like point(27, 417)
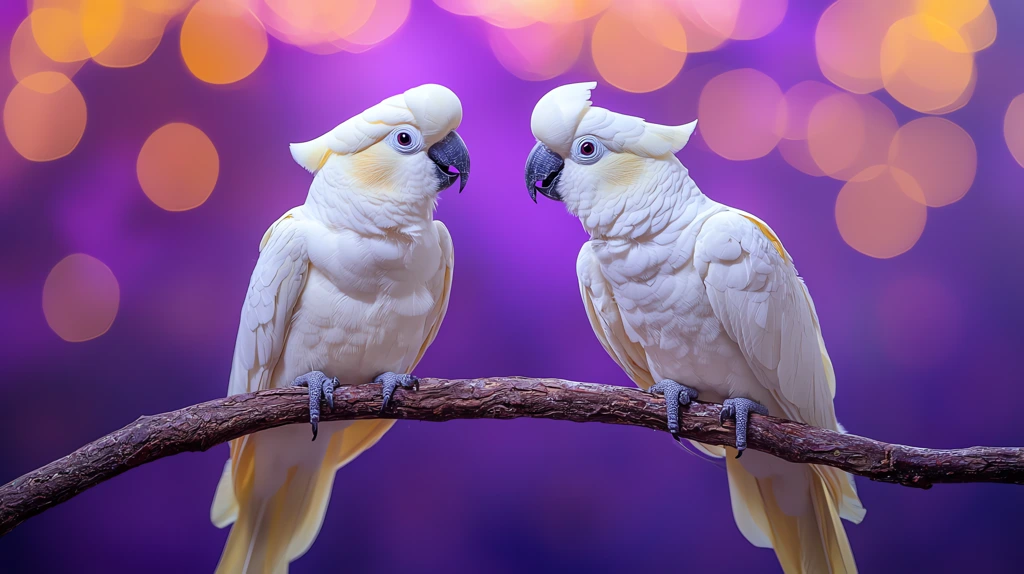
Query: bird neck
point(338, 203)
point(668, 201)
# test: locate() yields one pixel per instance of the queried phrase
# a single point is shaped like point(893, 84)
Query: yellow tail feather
point(811, 542)
point(344, 447)
point(225, 508)
point(271, 531)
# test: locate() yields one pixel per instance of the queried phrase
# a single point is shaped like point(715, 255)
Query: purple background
point(926, 346)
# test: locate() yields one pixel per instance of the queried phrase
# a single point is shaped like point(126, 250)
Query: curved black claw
point(391, 381)
point(321, 387)
point(739, 410)
point(675, 395)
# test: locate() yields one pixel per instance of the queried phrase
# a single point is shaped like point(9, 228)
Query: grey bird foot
point(391, 381)
point(675, 395)
point(739, 410)
point(321, 387)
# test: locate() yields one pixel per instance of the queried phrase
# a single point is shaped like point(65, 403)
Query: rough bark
point(200, 427)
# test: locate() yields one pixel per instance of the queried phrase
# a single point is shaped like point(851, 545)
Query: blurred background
point(146, 153)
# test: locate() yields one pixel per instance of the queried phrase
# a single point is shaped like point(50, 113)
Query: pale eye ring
point(587, 150)
point(405, 139)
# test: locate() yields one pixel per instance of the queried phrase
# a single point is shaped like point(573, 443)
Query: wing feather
point(441, 308)
point(606, 320)
point(764, 306)
point(274, 288)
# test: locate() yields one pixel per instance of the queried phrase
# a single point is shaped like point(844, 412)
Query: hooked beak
point(542, 170)
point(448, 153)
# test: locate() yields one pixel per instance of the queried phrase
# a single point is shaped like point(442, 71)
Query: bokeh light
point(58, 32)
point(632, 42)
point(168, 8)
point(954, 13)
point(881, 212)
point(1013, 128)
point(800, 99)
point(317, 26)
point(538, 51)
point(756, 18)
point(848, 41)
point(559, 11)
point(963, 99)
point(847, 133)
point(629, 60)
point(519, 13)
point(80, 298)
point(798, 155)
point(101, 20)
point(140, 33)
point(926, 65)
point(28, 59)
point(706, 34)
point(980, 33)
point(178, 167)
point(741, 113)
point(507, 13)
point(939, 155)
point(222, 41)
point(44, 116)
point(719, 16)
point(387, 17)
point(659, 23)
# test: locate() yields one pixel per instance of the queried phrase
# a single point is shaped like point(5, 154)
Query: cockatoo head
point(594, 160)
point(406, 144)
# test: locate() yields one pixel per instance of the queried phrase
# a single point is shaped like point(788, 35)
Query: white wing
point(607, 321)
point(441, 308)
point(756, 293)
point(765, 307)
point(276, 284)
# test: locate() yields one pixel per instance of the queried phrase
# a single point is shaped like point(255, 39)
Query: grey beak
point(542, 170)
point(447, 153)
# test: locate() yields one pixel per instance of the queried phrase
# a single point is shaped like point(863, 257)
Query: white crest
point(431, 108)
point(557, 115)
point(565, 113)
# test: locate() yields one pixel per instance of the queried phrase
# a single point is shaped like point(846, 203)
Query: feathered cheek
point(620, 170)
point(376, 168)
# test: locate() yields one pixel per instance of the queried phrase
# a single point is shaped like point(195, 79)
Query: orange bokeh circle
point(222, 41)
point(881, 212)
point(178, 167)
point(80, 298)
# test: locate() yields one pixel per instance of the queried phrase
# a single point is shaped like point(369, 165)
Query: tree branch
point(200, 427)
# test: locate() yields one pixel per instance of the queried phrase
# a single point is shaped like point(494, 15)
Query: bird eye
point(587, 150)
point(405, 140)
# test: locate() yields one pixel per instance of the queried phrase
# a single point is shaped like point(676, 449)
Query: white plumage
point(353, 283)
point(434, 110)
point(680, 287)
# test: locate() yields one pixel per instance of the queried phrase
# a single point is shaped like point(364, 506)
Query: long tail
point(277, 497)
point(795, 509)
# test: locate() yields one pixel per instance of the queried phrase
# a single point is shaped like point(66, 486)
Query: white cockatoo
point(694, 298)
point(350, 287)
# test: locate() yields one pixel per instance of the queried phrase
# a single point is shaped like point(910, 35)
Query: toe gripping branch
point(676, 395)
point(739, 410)
point(321, 388)
point(391, 381)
